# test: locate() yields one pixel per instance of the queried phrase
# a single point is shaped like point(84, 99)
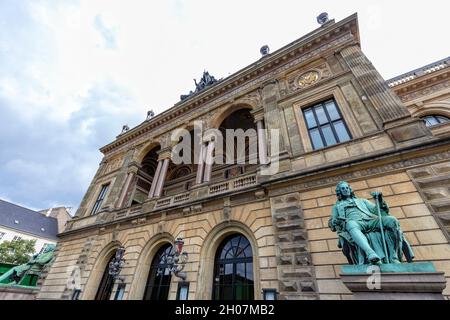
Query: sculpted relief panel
point(112, 165)
point(302, 79)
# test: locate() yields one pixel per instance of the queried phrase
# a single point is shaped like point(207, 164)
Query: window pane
point(332, 111)
point(442, 119)
point(234, 274)
point(228, 269)
point(227, 293)
point(320, 113)
point(328, 135)
point(341, 131)
point(249, 270)
point(430, 121)
point(310, 121)
point(316, 139)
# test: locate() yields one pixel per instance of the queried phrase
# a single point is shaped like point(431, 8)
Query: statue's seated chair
point(29, 278)
point(356, 255)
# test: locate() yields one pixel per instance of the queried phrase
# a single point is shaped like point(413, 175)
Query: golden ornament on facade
point(308, 79)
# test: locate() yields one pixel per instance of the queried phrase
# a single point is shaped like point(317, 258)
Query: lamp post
point(116, 265)
point(177, 260)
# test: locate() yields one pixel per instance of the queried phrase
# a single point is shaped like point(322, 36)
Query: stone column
point(116, 187)
point(201, 166)
point(388, 105)
point(262, 143)
point(125, 189)
point(397, 120)
point(208, 161)
point(155, 180)
point(273, 120)
point(162, 177)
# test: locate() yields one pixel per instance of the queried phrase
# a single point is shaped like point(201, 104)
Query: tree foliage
point(16, 251)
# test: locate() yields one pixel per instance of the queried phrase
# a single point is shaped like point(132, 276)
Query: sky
point(72, 73)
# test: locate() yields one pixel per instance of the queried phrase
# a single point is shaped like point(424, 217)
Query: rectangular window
point(325, 125)
point(100, 198)
point(17, 238)
point(2, 234)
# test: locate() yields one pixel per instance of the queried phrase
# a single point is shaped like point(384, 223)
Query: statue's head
point(344, 191)
point(49, 248)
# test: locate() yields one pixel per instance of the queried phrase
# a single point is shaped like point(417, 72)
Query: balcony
point(232, 185)
point(196, 194)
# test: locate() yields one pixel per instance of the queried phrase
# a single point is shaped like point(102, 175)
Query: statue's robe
point(35, 265)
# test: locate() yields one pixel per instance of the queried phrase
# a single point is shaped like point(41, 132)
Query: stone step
point(284, 237)
point(303, 272)
point(303, 259)
point(435, 181)
point(299, 296)
point(293, 247)
point(307, 286)
point(299, 235)
point(286, 260)
point(291, 225)
point(287, 216)
point(287, 209)
point(288, 286)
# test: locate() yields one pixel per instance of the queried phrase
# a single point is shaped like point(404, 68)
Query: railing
point(179, 198)
point(217, 188)
point(235, 184)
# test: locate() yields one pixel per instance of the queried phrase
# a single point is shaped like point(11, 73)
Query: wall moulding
point(370, 168)
point(343, 37)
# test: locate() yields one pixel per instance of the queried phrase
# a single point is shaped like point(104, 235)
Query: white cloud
point(73, 72)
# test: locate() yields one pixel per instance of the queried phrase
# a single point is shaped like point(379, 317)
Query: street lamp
point(177, 260)
point(116, 265)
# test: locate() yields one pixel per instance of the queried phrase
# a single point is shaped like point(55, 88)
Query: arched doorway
point(233, 269)
point(159, 277)
point(106, 284)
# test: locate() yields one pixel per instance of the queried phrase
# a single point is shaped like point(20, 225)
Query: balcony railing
point(235, 184)
point(173, 200)
point(217, 188)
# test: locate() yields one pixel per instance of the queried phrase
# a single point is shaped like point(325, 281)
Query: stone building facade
point(273, 226)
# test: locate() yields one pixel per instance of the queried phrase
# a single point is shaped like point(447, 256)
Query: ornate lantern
point(177, 260)
point(116, 265)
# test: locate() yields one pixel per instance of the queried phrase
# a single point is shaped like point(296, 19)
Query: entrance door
point(233, 270)
point(106, 284)
point(158, 282)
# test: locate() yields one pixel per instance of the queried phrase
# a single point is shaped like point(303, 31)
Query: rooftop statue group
point(205, 81)
point(33, 267)
point(367, 233)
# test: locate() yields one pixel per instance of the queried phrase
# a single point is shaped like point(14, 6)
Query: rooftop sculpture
point(206, 81)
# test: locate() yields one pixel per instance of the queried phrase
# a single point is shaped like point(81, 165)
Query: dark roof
point(29, 221)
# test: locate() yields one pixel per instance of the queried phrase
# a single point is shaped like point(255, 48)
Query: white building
point(17, 222)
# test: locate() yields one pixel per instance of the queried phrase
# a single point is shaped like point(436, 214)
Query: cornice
point(265, 65)
point(422, 82)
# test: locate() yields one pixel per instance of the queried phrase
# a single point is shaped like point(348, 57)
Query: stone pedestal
point(8, 292)
point(405, 281)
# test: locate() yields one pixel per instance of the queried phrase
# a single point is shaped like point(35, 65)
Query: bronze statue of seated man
point(367, 233)
point(35, 266)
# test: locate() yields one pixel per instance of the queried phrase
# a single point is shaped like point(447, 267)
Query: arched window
point(158, 282)
point(233, 270)
point(106, 284)
point(434, 120)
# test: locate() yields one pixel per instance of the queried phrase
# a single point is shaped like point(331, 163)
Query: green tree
point(16, 251)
